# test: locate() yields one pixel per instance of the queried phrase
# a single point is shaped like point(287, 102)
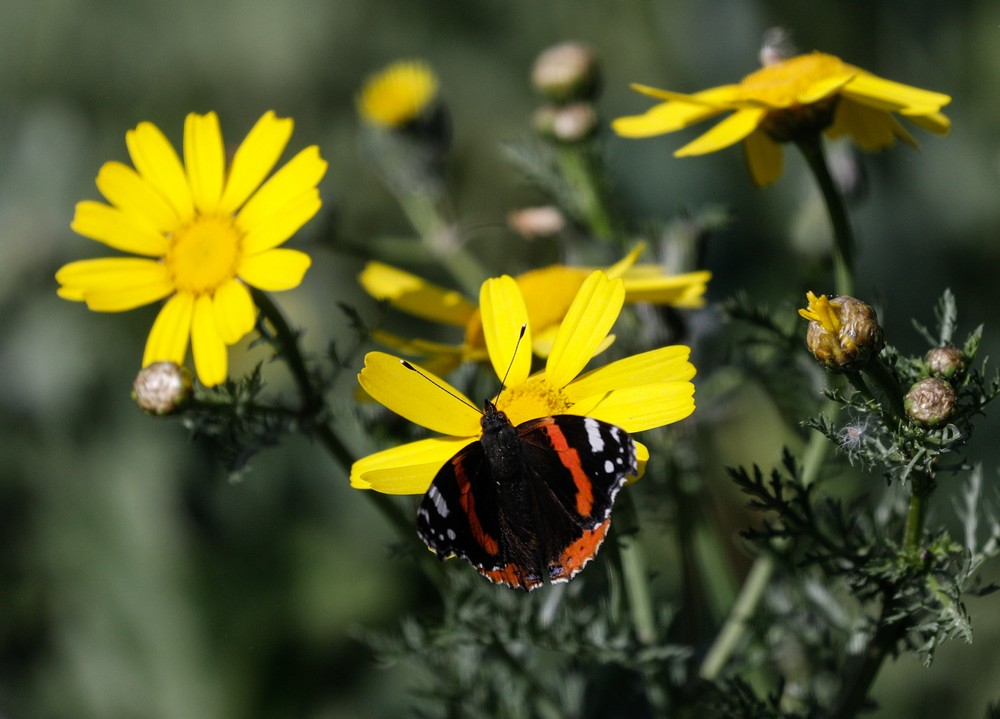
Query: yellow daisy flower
point(802, 94)
point(548, 293)
point(637, 393)
point(203, 235)
point(398, 94)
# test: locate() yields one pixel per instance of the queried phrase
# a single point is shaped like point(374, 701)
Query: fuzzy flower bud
point(843, 334)
point(566, 123)
point(566, 72)
point(534, 222)
point(161, 388)
point(946, 362)
point(930, 402)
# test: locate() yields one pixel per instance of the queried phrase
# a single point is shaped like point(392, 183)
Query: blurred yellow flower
point(203, 235)
point(398, 94)
point(780, 102)
point(548, 293)
point(636, 393)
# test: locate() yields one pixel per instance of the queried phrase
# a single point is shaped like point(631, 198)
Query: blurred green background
point(137, 579)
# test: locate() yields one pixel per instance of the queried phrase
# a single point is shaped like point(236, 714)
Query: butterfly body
point(530, 504)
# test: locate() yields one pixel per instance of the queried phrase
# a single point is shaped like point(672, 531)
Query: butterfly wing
point(578, 464)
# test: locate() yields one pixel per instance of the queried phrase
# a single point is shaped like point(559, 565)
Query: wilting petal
point(764, 158)
point(727, 132)
point(872, 129)
point(168, 339)
point(408, 468)
point(274, 270)
point(416, 296)
point(504, 314)
point(235, 313)
point(207, 346)
point(419, 396)
point(587, 323)
point(254, 159)
point(156, 160)
point(205, 160)
point(118, 230)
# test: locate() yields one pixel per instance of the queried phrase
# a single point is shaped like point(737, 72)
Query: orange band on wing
point(570, 459)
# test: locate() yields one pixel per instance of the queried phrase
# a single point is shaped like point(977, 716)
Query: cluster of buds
point(567, 76)
point(931, 401)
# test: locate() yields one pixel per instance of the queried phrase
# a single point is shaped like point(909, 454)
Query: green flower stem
point(440, 238)
point(577, 165)
point(737, 624)
point(313, 405)
point(883, 377)
point(921, 488)
point(634, 571)
point(843, 237)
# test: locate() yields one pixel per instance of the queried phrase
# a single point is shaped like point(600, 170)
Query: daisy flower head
point(787, 100)
point(547, 292)
point(398, 94)
point(636, 393)
point(203, 235)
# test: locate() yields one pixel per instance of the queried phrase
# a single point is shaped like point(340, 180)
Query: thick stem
point(634, 572)
point(843, 237)
point(921, 488)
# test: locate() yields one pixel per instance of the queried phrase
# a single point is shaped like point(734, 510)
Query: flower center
point(204, 254)
point(533, 398)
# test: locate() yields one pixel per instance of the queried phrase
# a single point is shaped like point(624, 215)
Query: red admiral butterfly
point(529, 504)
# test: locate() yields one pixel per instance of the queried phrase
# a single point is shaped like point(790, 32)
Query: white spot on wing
point(439, 504)
point(594, 435)
point(609, 466)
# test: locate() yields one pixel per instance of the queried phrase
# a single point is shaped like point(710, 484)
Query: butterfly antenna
point(503, 382)
point(441, 387)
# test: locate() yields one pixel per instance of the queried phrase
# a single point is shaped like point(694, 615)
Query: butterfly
point(530, 504)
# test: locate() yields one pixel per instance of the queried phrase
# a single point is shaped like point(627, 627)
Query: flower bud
point(843, 334)
point(566, 72)
point(534, 222)
point(161, 388)
point(930, 402)
point(946, 362)
point(566, 123)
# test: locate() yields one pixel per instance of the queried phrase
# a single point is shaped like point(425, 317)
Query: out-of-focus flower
point(787, 100)
point(534, 222)
point(161, 388)
point(548, 293)
point(566, 72)
point(398, 94)
point(636, 393)
point(843, 333)
point(203, 235)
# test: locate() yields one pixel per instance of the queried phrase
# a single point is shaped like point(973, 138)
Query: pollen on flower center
point(204, 254)
point(535, 397)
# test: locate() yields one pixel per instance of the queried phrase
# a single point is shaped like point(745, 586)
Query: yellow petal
point(116, 229)
point(408, 468)
point(127, 191)
point(588, 321)
point(235, 313)
point(168, 339)
point(683, 290)
point(504, 314)
point(117, 283)
point(157, 162)
point(935, 122)
point(207, 347)
point(622, 266)
point(663, 118)
point(205, 159)
point(721, 97)
point(274, 270)
point(824, 88)
point(725, 133)
point(893, 96)
point(667, 364)
point(641, 460)
point(271, 231)
point(764, 158)
point(416, 296)
point(872, 129)
point(419, 396)
point(636, 409)
point(254, 159)
point(296, 178)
